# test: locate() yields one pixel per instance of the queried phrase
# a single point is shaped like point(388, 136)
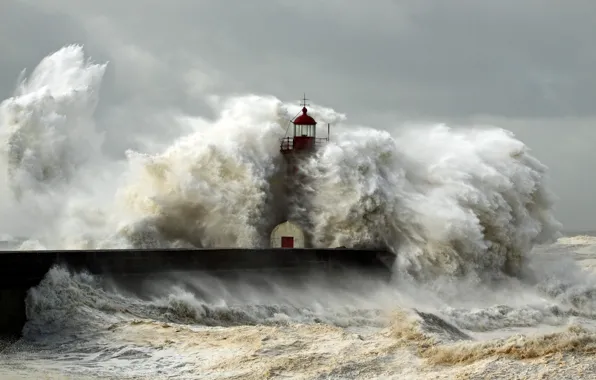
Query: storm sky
point(528, 66)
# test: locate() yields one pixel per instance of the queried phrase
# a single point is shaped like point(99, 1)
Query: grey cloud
point(445, 59)
point(26, 36)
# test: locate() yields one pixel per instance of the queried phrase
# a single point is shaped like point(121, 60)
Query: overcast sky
point(525, 65)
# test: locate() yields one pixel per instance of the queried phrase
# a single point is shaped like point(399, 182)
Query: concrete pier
point(21, 270)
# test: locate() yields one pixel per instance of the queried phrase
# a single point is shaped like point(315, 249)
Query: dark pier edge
point(21, 270)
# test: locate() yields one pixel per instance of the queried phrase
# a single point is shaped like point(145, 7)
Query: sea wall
point(21, 270)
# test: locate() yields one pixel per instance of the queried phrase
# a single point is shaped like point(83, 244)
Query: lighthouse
point(300, 145)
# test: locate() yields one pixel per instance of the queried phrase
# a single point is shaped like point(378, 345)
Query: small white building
point(287, 235)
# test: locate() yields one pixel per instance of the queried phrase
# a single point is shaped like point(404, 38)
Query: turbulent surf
point(479, 280)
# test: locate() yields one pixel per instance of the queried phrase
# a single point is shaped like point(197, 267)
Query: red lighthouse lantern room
point(304, 138)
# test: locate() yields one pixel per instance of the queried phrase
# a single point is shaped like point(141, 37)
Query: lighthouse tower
point(300, 145)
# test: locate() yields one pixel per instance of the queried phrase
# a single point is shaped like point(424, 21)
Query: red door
point(287, 242)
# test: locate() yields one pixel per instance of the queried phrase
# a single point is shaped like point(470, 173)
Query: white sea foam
point(457, 206)
point(448, 201)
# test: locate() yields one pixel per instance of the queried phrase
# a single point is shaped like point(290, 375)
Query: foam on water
point(183, 326)
point(467, 212)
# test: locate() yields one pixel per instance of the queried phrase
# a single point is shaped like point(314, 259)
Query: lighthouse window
point(305, 130)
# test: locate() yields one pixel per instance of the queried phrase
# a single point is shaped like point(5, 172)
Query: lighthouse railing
point(287, 143)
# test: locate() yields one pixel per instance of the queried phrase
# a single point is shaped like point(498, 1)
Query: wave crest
point(446, 201)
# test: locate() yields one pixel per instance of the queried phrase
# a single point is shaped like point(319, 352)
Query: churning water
point(479, 289)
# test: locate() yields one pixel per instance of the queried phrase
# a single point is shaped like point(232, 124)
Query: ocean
point(485, 285)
